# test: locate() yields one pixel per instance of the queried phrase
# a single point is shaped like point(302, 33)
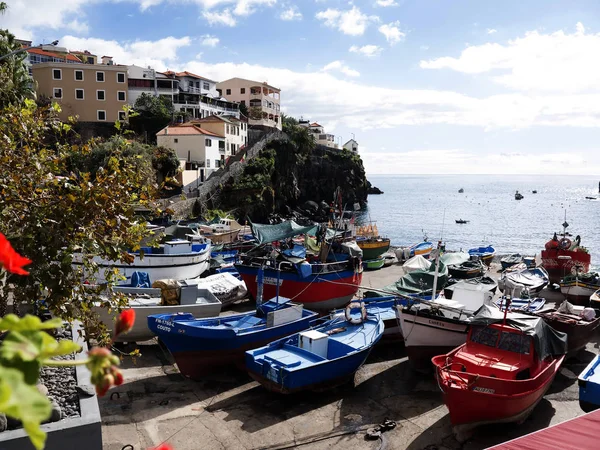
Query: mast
point(437, 267)
point(260, 283)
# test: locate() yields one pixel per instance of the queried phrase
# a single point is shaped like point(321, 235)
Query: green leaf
point(12, 322)
point(25, 403)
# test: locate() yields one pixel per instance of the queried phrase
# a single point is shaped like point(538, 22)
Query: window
point(100, 95)
point(79, 75)
point(208, 143)
point(121, 96)
point(101, 115)
point(56, 74)
point(228, 92)
point(175, 140)
point(205, 86)
point(515, 342)
point(79, 94)
point(120, 77)
point(122, 115)
point(57, 93)
point(198, 84)
point(242, 90)
point(485, 336)
point(216, 163)
point(100, 77)
point(208, 163)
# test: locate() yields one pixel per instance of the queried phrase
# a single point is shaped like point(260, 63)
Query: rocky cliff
point(293, 176)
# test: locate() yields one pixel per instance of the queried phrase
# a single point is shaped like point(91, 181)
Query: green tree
point(244, 109)
point(15, 83)
point(153, 114)
point(51, 210)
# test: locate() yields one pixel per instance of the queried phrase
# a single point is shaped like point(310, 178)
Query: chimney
point(107, 60)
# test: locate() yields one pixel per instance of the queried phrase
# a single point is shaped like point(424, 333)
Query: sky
point(424, 86)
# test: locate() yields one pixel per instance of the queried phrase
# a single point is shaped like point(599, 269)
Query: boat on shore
point(520, 304)
point(374, 264)
point(422, 248)
point(370, 242)
point(595, 300)
point(484, 284)
point(561, 255)
point(318, 359)
point(503, 370)
point(201, 346)
point(579, 288)
point(485, 254)
point(589, 386)
point(530, 281)
point(385, 309)
point(467, 269)
point(511, 260)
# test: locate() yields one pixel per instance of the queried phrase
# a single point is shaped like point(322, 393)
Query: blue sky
point(426, 86)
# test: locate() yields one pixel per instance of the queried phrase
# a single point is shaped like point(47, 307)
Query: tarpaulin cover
point(530, 278)
point(580, 432)
point(547, 341)
point(271, 233)
point(416, 263)
point(454, 258)
point(298, 251)
point(419, 281)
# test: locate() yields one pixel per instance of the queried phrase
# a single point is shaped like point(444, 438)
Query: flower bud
point(125, 322)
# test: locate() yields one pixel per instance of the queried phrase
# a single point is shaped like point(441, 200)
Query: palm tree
point(3, 7)
point(15, 82)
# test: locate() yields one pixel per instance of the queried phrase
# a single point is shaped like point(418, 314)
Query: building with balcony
point(48, 54)
point(198, 97)
point(235, 131)
point(351, 145)
point(197, 149)
point(261, 99)
point(321, 138)
point(146, 80)
point(92, 92)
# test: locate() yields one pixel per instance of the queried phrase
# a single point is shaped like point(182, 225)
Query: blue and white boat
point(385, 309)
point(521, 304)
point(201, 345)
point(422, 248)
point(589, 386)
point(485, 254)
point(314, 360)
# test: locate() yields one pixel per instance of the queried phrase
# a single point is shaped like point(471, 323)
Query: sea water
point(417, 206)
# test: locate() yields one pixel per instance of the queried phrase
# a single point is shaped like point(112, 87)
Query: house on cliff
point(198, 150)
point(321, 138)
point(351, 145)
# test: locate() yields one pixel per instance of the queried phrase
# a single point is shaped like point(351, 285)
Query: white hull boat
point(177, 260)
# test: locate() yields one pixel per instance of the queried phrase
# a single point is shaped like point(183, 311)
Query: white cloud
point(366, 50)
point(554, 62)
point(145, 4)
point(220, 18)
point(392, 32)
point(209, 41)
point(243, 7)
point(341, 67)
point(352, 22)
point(291, 13)
point(77, 26)
point(158, 54)
point(386, 3)
point(491, 31)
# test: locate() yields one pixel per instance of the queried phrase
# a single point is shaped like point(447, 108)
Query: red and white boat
point(501, 372)
point(563, 256)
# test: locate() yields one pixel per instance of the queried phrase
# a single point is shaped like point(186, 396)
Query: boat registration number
point(164, 325)
point(484, 390)
point(271, 280)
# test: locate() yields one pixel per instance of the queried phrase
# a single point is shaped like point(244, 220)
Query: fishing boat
point(145, 302)
point(200, 346)
point(561, 254)
point(416, 263)
point(373, 247)
point(389, 259)
point(326, 280)
point(521, 304)
point(589, 386)
point(177, 259)
point(461, 191)
point(422, 248)
point(595, 300)
point(461, 221)
point(485, 254)
point(531, 281)
point(318, 359)
point(502, 371)
point(484, 284)
point(419, 283)
point(511, 260)
point(385, 309)
point(225, 286)
point(579, 287)
point(374, 264)
point(518, 196)
point(467, 269)
point(590, 198)
point(534, 192)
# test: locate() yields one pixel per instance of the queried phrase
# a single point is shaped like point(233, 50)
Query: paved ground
point(229, 411)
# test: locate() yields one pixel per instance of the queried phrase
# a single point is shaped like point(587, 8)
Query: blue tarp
point(140, 279)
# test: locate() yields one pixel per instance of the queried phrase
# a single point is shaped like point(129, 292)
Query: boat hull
point(578, 335)
point(589, 386)
point(577, 292)
point(225, 237)
point(558, 268)
point(373, 264)
point(426, 336)
point(373, 249)
point(317, 291)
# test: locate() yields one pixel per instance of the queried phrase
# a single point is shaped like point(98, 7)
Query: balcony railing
point(191, 89)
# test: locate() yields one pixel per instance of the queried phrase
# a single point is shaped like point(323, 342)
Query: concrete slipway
point(230, 411)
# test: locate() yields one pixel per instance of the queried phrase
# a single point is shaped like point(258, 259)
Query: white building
point(147, 80)
point(198, 151)
point(234, 130)
point(351, 145)
point(321, 138)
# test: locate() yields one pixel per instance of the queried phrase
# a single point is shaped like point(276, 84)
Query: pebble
point(87, 390)
point(56, 413)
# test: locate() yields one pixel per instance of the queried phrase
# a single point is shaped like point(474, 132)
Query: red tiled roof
point(186, 129)
point(315, 124)
point(66, 56)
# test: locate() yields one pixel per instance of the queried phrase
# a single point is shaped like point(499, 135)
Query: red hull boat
point(562, 256)
point(500, 374)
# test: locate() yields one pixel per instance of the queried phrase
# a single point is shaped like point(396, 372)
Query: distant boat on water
point(461, 191)
point(518, 196)
point(534, 192)
point(461, 221)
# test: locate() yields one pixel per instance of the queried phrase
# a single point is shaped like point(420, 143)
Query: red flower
point(163, 447)
point(125, 321)
point(10, 259)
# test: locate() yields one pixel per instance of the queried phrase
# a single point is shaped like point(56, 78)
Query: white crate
point(315, 342)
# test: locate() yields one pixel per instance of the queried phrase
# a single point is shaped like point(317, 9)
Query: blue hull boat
point(385, 309)
point(522, 304)
point(589, 386)
point(315, 360)
point(485, 254)
point(201, 345)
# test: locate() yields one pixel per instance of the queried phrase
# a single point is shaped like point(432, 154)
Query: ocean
point(415, 206)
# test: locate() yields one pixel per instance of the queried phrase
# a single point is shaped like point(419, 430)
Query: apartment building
point(47, 53)
point(146, 80)
point(233, 129)
point(93, 92)
point(321, 138)
point(261, 99)
point(198, 150)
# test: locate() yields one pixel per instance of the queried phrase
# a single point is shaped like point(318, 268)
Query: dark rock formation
point(372, 190)
point(291, 179)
